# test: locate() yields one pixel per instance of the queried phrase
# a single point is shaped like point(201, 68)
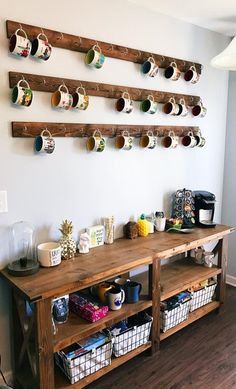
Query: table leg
point(222, 263)
point(155, 295)
point(44, 344)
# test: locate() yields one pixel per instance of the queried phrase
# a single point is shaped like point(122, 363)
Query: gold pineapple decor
point(67, 243)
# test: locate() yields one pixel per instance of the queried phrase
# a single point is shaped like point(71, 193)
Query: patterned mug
point(189, 140)
point(41, 48)
point(171, 107)
point(124, 103)
point(62, 99)
point(191, 75)
point(199, 110)
point(170, 141)
point(148, 140)
point(124, 141)
point(22, 94)
point(44, 143)
point(172, 72)
point(95, 57)
point(183, 109)
point(149, 105)
point(96, 142)
point(149, 67)
point(80, 100)
point(20, 45)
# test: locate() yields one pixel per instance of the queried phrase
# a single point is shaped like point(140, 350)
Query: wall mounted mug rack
point(51, 84)
point(81, 130)
point(81, 44)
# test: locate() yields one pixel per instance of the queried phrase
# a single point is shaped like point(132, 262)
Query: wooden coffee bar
point(34, 341)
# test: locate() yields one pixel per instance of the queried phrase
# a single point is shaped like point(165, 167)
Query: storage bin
point(202, 296)
point(133, 337)
point(85, 364)
point(171, 317)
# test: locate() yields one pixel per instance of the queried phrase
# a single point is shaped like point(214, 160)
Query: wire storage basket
point(137, 334)
point(175, 310)
point(79, 366)
point(203, 296)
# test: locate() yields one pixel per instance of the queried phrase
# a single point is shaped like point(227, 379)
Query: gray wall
point(82, 186)
point(229, 194)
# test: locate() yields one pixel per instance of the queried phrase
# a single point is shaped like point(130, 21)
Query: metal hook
point(20, 26)
point(25, 128)
point(44, 81)
point(163, 58)
point(42, 31)
point(62, 36)
point(22, 77)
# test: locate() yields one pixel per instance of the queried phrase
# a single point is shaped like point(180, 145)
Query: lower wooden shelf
point(193, 316)
point(77, 328)
point(61, 382)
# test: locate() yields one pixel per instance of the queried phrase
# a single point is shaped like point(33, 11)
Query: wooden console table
point(34, 342)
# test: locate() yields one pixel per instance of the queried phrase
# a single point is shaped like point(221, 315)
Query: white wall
point(229, 193)
point(82, 186)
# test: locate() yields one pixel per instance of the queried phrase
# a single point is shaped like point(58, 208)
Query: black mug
point(132, 291)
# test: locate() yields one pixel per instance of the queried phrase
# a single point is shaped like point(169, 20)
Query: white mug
point(124, 141)
point(192, 75)
point(148, 140)
point(201, 141)
point(80, 100)
point(20, 45)
point(96, 142)
point(41, 48)
point(49, 254)
point(124, 103)
point(44, 143)
point(116, 297)
point(62, 99)
point(160, 223)
point(149, 105)
point(170, 141)
point(189, 140)
point(183, 109)
point(171, 107)
point(149, 67)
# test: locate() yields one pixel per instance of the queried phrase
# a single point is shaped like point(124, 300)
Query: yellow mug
point(103, 289)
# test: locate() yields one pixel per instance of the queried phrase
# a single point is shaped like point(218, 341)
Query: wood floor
point(201, 356)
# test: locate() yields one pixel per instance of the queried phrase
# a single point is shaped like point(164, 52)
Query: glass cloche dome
point(22, 250)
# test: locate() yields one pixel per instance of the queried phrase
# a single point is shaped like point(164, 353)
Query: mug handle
point(63, 86)
point(24, 82)
point(97, 131)
point(172, 100)
point(21, 29)
point(173, 64)
point(46, 131)
point(182, 101)
point(149, 133)
point(43, 35)
point(126, 94)
point(122, 296)
point(171, 133)
point(193, 67)
point(125, 133)
point(151, 59)
point(98, 47)
point(150, 97)
point(82, 88)
point(190, 133)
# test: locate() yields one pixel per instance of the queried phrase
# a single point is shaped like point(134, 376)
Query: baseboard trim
point(231, 280)
point(8, 376)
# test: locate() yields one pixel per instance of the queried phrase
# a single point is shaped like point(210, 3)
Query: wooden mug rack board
point(33, 129)
point(81, 44)
point(51, 84)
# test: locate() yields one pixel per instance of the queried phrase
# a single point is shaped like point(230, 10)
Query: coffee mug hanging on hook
point(19, 43)
point(41, 48)
point(94, 57)
point(96, 142)
point(80, 100)
point(61, 98)
point(22, 94)
point(44, 143)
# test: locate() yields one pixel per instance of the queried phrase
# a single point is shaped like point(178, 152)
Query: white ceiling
point(216, 15)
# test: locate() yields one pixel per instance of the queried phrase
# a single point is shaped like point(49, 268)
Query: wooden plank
point(222, 262)
point(122, 256)
point(43, 83)
point(193, 316)
point(81, 44)
point(44, 344)
point(61, 382)
point(76, 328)
point(33, 129)
point(180, 275)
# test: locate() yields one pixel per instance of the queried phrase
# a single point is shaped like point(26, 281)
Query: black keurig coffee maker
point(204, 208)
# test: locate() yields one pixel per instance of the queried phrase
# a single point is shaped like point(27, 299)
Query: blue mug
point(132, 291)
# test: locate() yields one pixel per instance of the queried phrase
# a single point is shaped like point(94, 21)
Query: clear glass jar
point(23, 259)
